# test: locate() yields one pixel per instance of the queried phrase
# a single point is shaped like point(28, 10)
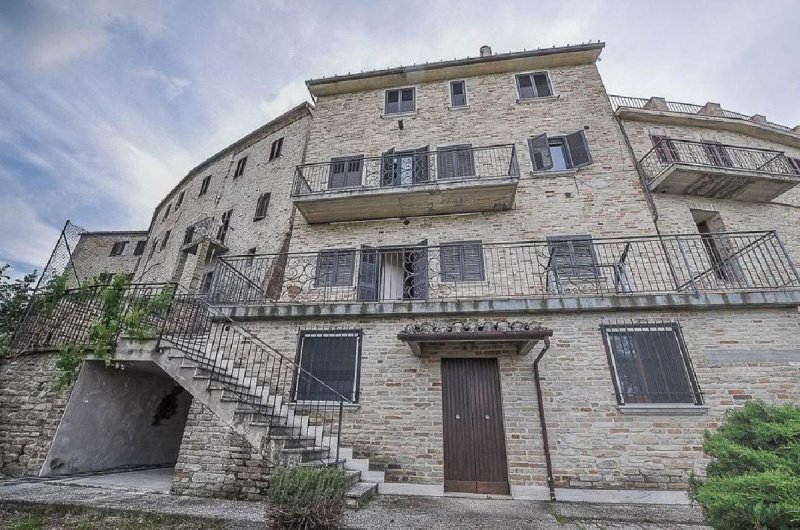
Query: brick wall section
point(604, 198)
point(92, 255)
point(398, 424)
point(214, 461)
point(30, 411)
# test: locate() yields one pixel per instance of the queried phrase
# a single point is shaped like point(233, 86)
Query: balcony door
point(404, 168)
point(393, 273)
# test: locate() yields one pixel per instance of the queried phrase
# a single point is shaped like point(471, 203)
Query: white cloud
point(26, 238)
point(172, 86)
point(287, 97)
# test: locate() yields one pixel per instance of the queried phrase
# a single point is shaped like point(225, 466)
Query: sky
point(105, 105)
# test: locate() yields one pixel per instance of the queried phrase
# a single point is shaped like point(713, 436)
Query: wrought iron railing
point(206, 229)
point(669, 151)
point(403, 169)
point(683, 108)
point(680, 263)
point(263, 380)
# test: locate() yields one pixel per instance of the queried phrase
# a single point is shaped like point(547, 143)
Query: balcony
point(469, 271)
point(206, 230)
point(718, 171)
point(410, 183)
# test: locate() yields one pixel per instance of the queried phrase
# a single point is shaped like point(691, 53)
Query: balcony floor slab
point(723, 183)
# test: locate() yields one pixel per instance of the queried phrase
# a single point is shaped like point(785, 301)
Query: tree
point(753, 479)
point(14, 298)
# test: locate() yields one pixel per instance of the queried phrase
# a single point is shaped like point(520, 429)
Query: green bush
point(753, 479)
point(306, 497)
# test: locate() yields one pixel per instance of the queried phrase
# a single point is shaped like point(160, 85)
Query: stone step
point(351, 478)
point(359, 494)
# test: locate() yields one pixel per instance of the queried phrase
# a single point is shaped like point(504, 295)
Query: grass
point(40, 519)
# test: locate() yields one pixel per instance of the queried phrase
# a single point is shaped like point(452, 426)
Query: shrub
point(306, 497)
point(753, 479)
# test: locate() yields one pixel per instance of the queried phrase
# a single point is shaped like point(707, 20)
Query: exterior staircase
point(244, 381)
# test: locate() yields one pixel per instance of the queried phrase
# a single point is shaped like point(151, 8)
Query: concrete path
point(385, 512)
point(147, 481)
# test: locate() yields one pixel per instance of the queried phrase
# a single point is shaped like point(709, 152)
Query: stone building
point(473, 276)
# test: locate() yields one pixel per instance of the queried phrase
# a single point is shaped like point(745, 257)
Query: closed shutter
point(335, 268)
point(525, 86)
point(572, 256)
point(388, 171)
point(665, 149)
point(326, 267)
point(421, 165)
point(455, 161)
point(353, 173)
point(345, 172)
point(462, 261)
point(368, 274)
point(344, 267)
point(418, 288)
point(262, 206)
point(664, 371)
point(445, 163)
point(465, 161)
point(542, 85)
point(540, 153)
point(458, 93)
point(407, 100)
point(578, 149)
point(329, 360)
point(472, 259)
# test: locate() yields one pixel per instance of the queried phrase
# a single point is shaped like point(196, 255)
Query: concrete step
point(359, 494)
point(360, 464)
point(351, 478)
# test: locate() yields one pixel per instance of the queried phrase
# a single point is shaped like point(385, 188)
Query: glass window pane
point(558, 154)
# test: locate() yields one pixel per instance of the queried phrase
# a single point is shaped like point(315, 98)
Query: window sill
point(666, 409)
point(460, 107)
point(397, 115)
point(324, 404)
point(536, 100)
point(555, 173)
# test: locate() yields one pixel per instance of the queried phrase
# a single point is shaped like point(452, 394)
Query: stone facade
point(92, 255)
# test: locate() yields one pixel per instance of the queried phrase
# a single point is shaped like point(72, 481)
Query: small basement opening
point(123, 426)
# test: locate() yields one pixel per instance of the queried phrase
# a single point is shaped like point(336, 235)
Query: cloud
point(172, 86)
point(26, 238)
point(286, 98)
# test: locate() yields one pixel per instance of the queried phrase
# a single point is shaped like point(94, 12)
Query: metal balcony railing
point(206, 229)
point(406, 169)
point(668, 151)
point(681, 263)
point(683, 108)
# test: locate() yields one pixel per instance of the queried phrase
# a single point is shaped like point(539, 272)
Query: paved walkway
point(385, 512)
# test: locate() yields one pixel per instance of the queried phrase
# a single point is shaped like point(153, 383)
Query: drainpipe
point(543, 423)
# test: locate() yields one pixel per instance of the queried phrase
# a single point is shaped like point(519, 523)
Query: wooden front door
point(474, 439)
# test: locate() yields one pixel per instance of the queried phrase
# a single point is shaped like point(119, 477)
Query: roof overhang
point(426, 337)
point(444, 70)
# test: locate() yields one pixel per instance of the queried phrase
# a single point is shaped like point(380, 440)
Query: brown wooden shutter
point(578, 149)
point(345, 263)
point(465, 161)
point(353, 172)
point(331, 359)
point(450, 262)
point(472, 261)
point(572, 255)
point(445, 163)
point(326, 267)
point(462, 261)
point(540, 153)
point(542, 85)
point(663, 367)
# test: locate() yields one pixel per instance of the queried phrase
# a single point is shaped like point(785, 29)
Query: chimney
point(486, 50)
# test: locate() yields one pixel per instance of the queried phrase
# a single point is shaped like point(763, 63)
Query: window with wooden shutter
point(188, 235)
point(572, 256)
point(539, 148)
point(180, 200)
point(166, 239)
point(166, 213)
point(458, 94)
point(118, 248)
point(345, 172)
point(329, 364)
point(261, 206)
point(400, 100)
point(335, 268)
point(139, 249)
point(533, 85)
point(275, 149)
point(650, 365)
point(455, 161)
point(204, 185)
point(240, 165)
point(225, 224)
point(461, 261)
point(665, 149)
point(578, 149)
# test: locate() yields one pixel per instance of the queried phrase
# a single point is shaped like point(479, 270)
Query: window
point(261, 207)
point(335, 268)
point(462, 261)
point(458, 94)
point(329, 364)
point(794, 164)
point(166, 213)
point(400, 100)
point(721, 255)
point(222, 231)
point(105, 278)
point(207, 282)
point(118, 248)
point(139, 250)
point(153, 248)
point(455, 161)
point(405, 168)
point(571, 257)
point(559, 152)
point(534, 85)
point(251, 254)
point(240, 167)
point(275, 150)
point(180, 200)
point(345, 172)
point(649, 364)
point(164, 242)
point(188, 236)
point(204, 185)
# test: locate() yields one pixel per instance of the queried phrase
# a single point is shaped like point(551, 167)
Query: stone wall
point(214, 461)
point(92, 255)
point(737, 354)
point(30, 411)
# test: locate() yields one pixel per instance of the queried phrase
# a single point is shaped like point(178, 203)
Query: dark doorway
point(393, 273)
point(474, 438)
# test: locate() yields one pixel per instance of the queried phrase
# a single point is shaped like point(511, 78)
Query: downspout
point(542, 422)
